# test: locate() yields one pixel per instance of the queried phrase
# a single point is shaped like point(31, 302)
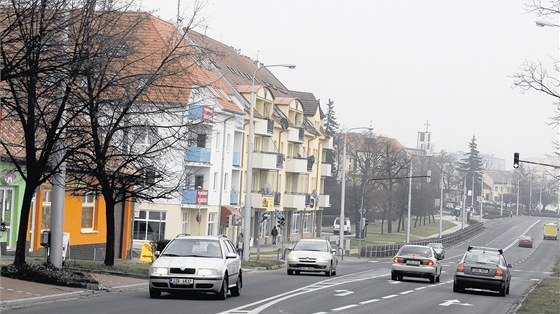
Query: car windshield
point(482, 257)
point(320, 246)
point(436, 245)
point(415, 250)
point(193, 247)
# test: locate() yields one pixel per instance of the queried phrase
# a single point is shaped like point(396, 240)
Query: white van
point(346, 229)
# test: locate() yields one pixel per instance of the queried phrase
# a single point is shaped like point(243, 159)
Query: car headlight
point(159, 271)
point(322, 259)
point(207, 272)
point(292, 258)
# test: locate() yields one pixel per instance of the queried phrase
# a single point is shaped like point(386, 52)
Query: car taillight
point(429, 263)
point(460, 268)
point(398, 260)
point(499, 272)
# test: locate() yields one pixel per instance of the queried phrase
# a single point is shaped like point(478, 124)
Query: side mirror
point(157, 253)
point(509, 266)
point(231, 255)
point(333, 251)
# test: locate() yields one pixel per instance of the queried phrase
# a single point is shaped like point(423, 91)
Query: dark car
point(483, 268)
point(438, 248)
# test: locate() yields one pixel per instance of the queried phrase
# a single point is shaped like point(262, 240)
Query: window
point(295, 222)
point(218, 136)
point(211, 223)
point(185, 223)
point(198, 182)
point(88, 210)
point(215, 184)
point(307, 222)
point(226, 177)
point(201, 140)
point(228, 141)
point(149, 225)
point(46, 209)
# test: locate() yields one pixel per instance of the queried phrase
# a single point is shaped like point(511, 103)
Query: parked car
point(347, 229)
point(312, 255)
point(438, 249)
point(197, 263)
point(483, 268)
point(416, 261)
point(526, 241)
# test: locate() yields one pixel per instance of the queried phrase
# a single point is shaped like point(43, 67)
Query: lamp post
point(549, 24)
point(343, 190)
point(441, 204)
point(428, 176)
point(249, 173)
point(465, 197)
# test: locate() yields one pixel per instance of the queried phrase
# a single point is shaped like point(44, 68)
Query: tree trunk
point(110, 239)
point(19, 259)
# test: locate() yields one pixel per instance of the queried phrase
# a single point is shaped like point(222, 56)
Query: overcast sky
point(396, 64)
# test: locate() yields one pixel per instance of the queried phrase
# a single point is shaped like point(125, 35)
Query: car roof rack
point(483, 248)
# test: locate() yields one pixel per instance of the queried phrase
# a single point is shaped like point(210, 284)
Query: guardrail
point(391, 249)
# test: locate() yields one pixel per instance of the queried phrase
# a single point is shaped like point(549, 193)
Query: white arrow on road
point(457, 302)
point(341, 293)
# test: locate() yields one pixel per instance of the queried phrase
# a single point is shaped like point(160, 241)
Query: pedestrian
point(274, 234)
point(240, 244)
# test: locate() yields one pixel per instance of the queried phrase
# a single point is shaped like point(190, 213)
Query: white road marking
point(342, 308)
point(369, 301)
point(389, 296)
point(342, 293)
point(454, 302)
point(406, 292)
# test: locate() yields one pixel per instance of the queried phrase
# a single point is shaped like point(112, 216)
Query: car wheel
point(328, 273)
point(433, 278)
point(502, 291)
point(437, 278)
point(394, 276)
point(154, 293)
point(399, 277)
point(457, 288)
point(507, 289)
point(222, 294)
point(290, 272)
point(236, 291)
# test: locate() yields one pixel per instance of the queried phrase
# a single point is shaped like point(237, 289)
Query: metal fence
point(391, 249)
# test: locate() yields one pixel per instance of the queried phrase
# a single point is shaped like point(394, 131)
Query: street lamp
point(465, 197)
point(249, 173)
point(549, 24)
point(342, 192)
point(410, 176)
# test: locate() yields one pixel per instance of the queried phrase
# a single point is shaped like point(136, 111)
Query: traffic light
point(515, 160)
point(281, 221)
point(264, 217)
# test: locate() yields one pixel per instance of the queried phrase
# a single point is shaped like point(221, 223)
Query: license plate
point(306, 268)
point(413, 262)
point(181, 281)
point(479, 270)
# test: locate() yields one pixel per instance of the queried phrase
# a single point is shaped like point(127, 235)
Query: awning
point(228, 210)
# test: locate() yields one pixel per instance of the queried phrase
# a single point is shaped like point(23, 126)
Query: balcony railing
point(264, 127)
point(267, 160)
point(197, 154)
point(296, 135)
point(239, 123)
point(324, 200)
point(326, 170)
point(194, 196)
point(201, 113)
point(234, 198)
point(328, 143)
point(296, 165)
point(294, 200)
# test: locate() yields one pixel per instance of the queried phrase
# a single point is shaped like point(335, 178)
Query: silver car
point(197, 263)
point(416, 261)
point(312, 255)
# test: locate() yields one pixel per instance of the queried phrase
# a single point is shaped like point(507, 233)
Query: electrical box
point(45, 240)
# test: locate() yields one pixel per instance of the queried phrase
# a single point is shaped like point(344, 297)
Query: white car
point(312, 255)
point(197, 263)
point(347, 229)
point(416, 261)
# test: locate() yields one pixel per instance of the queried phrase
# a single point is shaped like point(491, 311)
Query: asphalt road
point(361, 286)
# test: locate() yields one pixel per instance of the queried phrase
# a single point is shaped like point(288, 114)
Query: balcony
point(194, 197)
point(324, 200)
point(197, 154)
point(264, 127)
point(267, 160)
point(296, 135)
point(328, 143)
point(236, 159)
point(294, 200)
point(326, 170)
point(296, 165)
point(201, 113)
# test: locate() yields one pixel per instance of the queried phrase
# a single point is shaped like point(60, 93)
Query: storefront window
point(149, 225)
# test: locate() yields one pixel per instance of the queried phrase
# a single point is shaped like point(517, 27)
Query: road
point(361, 286)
